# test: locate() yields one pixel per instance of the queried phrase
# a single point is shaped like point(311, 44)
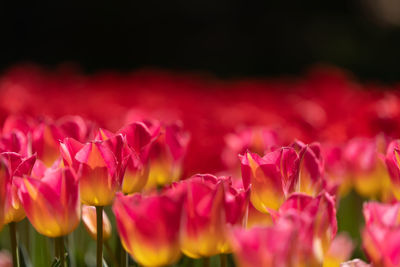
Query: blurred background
point(234, 38)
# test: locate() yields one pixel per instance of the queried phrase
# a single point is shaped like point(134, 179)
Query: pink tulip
point(98, 174)
point(381, 235)
point(90, 222)
point(272, 177)
point(149, 227)
point(52, 203)
point(17, 167)
point(393, 165)
point(211, 207)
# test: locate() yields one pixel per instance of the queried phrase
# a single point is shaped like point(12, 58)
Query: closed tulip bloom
point(366, 166)
point(17, 167)
point(311, 171)
point(211, 207)
point(4, 180)
point(47, 134)
point(166, 154)
point(90, 223)
point(339, 251)
point(393, 165)
point(135, 163)
point(256, 139)
point(52, 203)
point(321, 213)
point(149, 227)
point(98, 174)
point(264, 246)
point(15, 141)
point(68, 149)
point(381, 235)
point(272, 177)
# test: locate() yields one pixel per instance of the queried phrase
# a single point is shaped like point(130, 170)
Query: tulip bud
point(98, 175)
point(393, 165)
point(322, 212)
point(339, 251)
point(211, 207)
point(381, 235)
point(90, 222)
point(311, 168)
point(272, 177)
point(17, 167)
point(52, 203)
point(14, 141)
point(166, 154)
point(367, 169)
point(259, 247)
point(149, 227)
point(135, 163)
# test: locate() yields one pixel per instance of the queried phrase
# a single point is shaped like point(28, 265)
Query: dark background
point(227, 38)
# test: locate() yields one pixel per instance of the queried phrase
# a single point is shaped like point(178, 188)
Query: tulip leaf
point(56, 263)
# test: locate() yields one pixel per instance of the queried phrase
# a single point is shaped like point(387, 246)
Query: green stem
point(99, 222)
point(111, 253)
point(223, 260)
point(124, 258)
point(14, 244)
point(206, 262)
point(61, 251)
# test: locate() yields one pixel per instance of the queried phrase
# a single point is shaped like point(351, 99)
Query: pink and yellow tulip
point(90, 223)
point(135, 163)
point(17, 167)
point(393, 165)
point(166, 153)
point(98, 174)
point(211, 207)
point(366, 167)
point(381, 235)
point(149, 227)
point(271, 178)
point(260, 246)
point(51, 203)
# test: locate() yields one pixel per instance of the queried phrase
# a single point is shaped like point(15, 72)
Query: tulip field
point(154, 168)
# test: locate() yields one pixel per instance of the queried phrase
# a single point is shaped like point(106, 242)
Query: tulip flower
point(135, 163)
point(336, 172)
point(90, 223)
point(366, 164)
point(381, 235)
point(272, 177)
point(322, 214)
point(4, 180)
point(68, 149)
point(47, 134)
point(52, 203)
point(311, 168)
point(393, 165)
point(15, 141)
point(339, 251)
point(17, 167)
point(166, 154)
point(149, 227)
point(255, 139)
point(265, 247)
point(5, 259)
point(99, 178)
point(211, 207)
